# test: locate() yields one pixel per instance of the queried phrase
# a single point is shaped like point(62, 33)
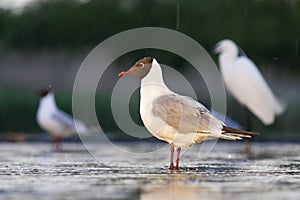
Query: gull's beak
point(130, 71)
point(213, 49)
point(123, 73)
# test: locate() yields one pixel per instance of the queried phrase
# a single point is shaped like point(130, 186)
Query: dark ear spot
point(44, 92)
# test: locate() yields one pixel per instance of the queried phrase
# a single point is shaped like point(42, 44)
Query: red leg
point(172, 156)
point(247, 146)
point(178, 156)
point(56, 143)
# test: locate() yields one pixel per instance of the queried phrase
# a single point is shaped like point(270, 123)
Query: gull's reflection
point(179, 186)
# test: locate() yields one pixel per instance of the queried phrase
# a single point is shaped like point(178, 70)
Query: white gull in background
point(245, 82)
point(55, 121)
point(178, 120)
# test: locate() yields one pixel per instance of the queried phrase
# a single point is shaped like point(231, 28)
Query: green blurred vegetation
point(18, 114)
point(268, 29)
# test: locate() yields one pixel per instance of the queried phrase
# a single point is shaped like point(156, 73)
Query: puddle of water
point(34, 171)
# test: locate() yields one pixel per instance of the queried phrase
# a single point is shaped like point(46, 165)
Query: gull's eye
point(141, 65)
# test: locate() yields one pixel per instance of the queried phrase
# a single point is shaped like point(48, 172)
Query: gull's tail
point(234, 134)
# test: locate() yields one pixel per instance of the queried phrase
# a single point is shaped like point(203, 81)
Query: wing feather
point(185, 114)
point(63, 120)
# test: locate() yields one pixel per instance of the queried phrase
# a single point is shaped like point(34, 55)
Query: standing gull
point(56, 122)
point(246, 84)
point(178, 120)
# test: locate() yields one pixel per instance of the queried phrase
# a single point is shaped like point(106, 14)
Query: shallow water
point(34, 171)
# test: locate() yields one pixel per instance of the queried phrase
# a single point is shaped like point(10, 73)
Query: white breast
point(152, 87)
point(46, 110)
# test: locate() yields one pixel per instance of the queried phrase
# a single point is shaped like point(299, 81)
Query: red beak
point(124, 73)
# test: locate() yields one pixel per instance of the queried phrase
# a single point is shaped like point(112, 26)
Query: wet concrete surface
point(35, 171)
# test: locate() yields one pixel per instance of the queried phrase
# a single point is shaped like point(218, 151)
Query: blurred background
point(44, 42)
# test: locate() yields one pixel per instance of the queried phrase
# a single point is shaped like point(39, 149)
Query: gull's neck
point(152, 87)
point(48, 102)
point(228, 56)
point(154, 75)
point(230, 52)
point(154, 79)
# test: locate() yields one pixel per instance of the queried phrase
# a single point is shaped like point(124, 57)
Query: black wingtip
point(228, 130)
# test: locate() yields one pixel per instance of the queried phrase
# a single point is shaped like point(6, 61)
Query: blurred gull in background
point(245, 82)
point(178, 120)
point(56, 122)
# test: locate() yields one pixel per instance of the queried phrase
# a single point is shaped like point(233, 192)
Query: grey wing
point(64, 120)
point(185, 114)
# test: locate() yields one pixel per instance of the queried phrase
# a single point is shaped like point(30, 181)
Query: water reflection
point(72, 174)
point(178, 186)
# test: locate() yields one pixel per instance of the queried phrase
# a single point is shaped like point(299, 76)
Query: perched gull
point(56, 122)
point(245, 82)
point(178, 120)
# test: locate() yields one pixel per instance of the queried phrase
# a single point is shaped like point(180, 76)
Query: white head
point(47, 98)
point(226, 46)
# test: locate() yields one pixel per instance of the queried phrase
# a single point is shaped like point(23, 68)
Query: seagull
point(245, 82)
point(55, 121)
point(247, 85)
point(176, 119)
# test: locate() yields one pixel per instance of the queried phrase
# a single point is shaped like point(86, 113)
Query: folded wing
point(185, 114)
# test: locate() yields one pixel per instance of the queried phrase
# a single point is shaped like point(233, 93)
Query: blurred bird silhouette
point(56, 122)
point(246, 84)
